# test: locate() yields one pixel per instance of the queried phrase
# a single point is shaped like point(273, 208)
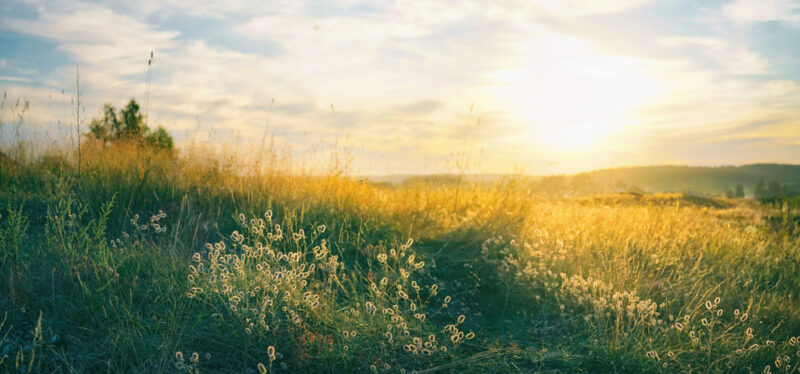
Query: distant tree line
point(736, 193)
point(773, 191)
point(128, 125)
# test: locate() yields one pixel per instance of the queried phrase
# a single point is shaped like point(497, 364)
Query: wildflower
point(262, 369)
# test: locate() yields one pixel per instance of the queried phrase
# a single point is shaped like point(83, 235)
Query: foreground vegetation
point(145, 260)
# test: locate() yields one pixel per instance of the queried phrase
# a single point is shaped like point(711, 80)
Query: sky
point(401, 87)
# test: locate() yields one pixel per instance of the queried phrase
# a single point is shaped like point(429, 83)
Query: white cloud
point(577, 8)
point(14, 79)
point(748, 11)
point(733, 58)
point(97, 36)
point(402, 76)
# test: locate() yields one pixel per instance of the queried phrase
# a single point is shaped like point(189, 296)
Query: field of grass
point(156, 262)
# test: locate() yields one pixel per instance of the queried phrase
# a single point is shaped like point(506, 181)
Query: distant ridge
point(712, 180)
point(702, 179)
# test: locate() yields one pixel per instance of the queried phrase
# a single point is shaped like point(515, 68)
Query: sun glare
point(572, 98)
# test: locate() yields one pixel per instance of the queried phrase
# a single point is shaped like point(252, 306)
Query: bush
point(127, 126)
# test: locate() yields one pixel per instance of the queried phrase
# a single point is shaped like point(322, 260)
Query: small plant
point(289, 289)
point(13, 245)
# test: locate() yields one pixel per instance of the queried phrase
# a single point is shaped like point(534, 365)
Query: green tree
point(159, 139)
point(105, 125)
point(759, 191)
point(739, 191)
point(132, 121)
point(128, 125)
point(774, 189)
point(729, 193)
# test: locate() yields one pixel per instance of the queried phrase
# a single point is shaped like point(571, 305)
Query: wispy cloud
point(749, 11)
point(14, 79)
point(731, 58)
point(551, 80)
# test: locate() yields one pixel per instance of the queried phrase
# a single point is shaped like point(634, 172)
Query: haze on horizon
point(542, 86)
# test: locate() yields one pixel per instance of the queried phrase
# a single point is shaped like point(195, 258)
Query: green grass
point(110, 271)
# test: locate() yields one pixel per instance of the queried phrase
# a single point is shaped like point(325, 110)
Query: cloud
point(579, 8)
point(419, 107)
point(14, 79)
point(733, 58)
point(403, 74)
point(750, 11)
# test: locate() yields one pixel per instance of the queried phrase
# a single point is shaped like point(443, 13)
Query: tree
point(107, 124)
point(758, 191)
point(729, 193)
point(774, 189)
point(739, 191)
point(128, 125)
point(159, 139)
point(133, 121)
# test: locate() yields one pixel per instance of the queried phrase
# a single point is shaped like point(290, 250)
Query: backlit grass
point(152, 262)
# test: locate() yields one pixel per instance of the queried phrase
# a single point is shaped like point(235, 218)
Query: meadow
point(154, 261)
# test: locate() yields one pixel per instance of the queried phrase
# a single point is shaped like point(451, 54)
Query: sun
point(572, 98)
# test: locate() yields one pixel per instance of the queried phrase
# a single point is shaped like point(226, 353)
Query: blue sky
point(554, 86)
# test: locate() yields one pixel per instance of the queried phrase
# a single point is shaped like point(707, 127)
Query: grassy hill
point(156, 261)
point(709, 180)
point(702, 180)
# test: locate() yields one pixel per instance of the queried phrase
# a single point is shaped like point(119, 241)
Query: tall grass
point(155, 261)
